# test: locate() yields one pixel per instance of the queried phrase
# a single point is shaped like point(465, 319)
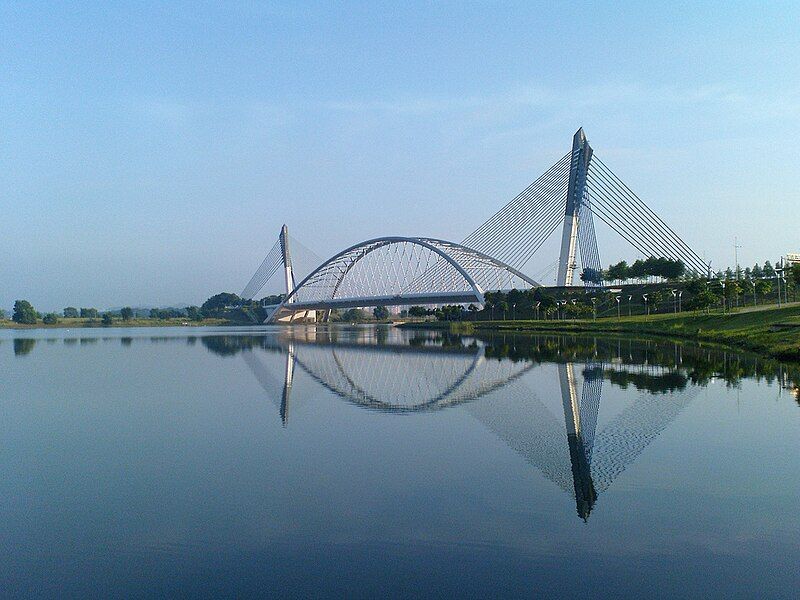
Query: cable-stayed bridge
point(398, 377)
point(401, 271)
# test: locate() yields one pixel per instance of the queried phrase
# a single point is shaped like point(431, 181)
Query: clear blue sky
point(150, 152)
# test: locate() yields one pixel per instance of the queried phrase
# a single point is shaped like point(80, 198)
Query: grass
point(770, 331)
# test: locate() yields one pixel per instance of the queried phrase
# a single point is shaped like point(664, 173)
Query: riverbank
point(770, 331)
point(79, 323)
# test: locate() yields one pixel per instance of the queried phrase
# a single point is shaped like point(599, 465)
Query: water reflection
point(23, 346)
point(385, 371)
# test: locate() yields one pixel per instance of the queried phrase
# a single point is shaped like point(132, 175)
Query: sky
point(150, 152)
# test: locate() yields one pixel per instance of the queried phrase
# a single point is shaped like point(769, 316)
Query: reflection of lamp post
point(617, 298)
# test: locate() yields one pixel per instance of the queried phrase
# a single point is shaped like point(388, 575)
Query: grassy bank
point(770, 331)
point(81, 323)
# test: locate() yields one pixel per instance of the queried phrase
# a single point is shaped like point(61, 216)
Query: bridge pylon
point(286, 257)
point(579, 168)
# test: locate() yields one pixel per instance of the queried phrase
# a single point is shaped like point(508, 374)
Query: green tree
point(381, 313)
point(220, 302)
point(702, 300)
point(2, 314)
point(769, 270)
point(107, 319)
point(354, 315)
point(417, 311)
point(757, 272)
point(763, 287)
point(71, 313)
point(194, 313)
point(89, 313)
point(50, 319)
point(502, 306)
point(23, 312)
point(126, 313)
point(794, 272)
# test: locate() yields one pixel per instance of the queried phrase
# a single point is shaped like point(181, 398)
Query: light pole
point(674, 301)
point(722, 283)
point(630, 297)
point(753, 283)
point(617, 298)
point(646, 306)
point(594, 307)
point(513, 311)
point(537, 310)
point(680, 306)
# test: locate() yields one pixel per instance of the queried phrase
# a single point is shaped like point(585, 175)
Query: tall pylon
point(579, 167)
point(287, 261)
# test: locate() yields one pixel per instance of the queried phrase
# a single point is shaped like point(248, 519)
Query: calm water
point(365, 462)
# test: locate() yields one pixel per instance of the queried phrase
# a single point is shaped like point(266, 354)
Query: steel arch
point(475, 270)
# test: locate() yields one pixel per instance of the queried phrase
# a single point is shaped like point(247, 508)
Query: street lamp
point(617, 298)
point(753, 283)
point(674, 300)
point(630, 297)
point(594, 306)
point(537, 310)
point(722, 283)
point(513, 311)
point(646, 306)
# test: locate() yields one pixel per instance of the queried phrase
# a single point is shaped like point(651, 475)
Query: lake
point(371, 461)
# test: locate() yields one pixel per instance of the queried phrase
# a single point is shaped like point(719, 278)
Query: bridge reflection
point(392, 372)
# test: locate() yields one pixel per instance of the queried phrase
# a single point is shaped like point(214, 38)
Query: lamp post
point(680, 306)
point(646, 306)
point(513, 311)
point(537, 310)
point(630, 297)
point(617, 298)
point(594, 307)
point(674, 301)
point(753, 283)
point(722, 283)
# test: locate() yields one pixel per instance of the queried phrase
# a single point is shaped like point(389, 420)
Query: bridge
point(401, 376)
point(403, 271)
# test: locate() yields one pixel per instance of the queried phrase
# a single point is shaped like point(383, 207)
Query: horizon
point(152, 153)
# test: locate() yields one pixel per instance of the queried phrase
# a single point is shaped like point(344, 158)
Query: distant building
point(793, 258)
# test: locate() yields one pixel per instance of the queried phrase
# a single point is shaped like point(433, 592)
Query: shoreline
point(772, 332)
point(97, 324)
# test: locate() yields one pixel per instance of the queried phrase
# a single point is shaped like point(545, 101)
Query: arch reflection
point(400, 374)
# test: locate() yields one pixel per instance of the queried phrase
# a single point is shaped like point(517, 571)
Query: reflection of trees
point(698, 364)
point(660, 383)
point(230, 345)
point(23, 346)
